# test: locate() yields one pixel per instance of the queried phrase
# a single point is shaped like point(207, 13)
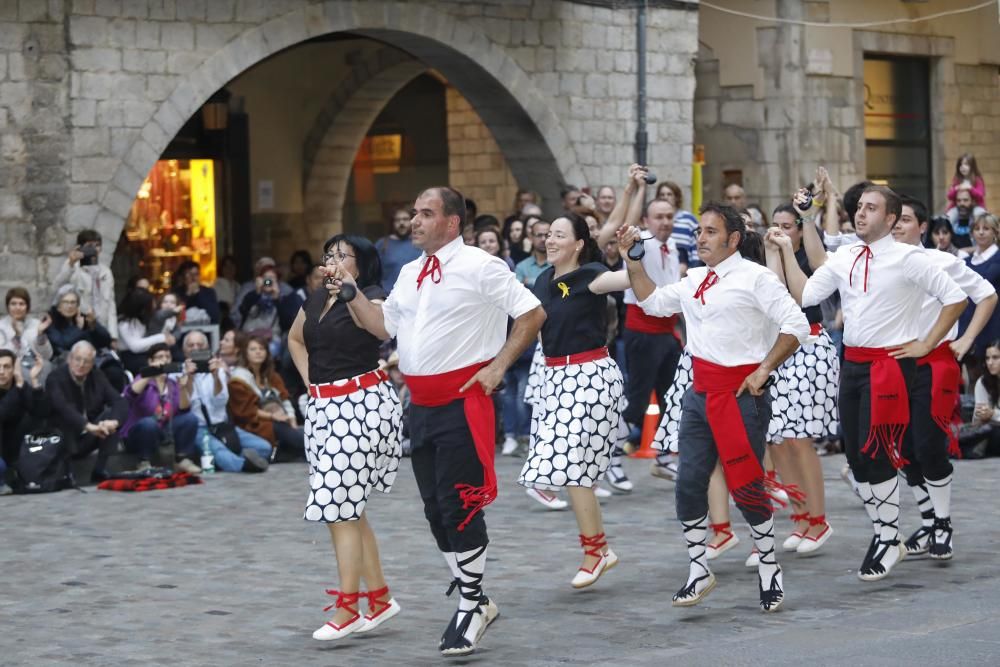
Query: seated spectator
point(136, 330)
point(20, 332)
point(85, 407)
point(259, 402)
point(983, 439)
point(70, 325)
point(158, 411)
point(229, 347)
point(259, 310)
point(92, 281)
point(225, 284)
point(200, 303)
point(299, 266)
point(209, 398)
point(22, 407)
point(942, 234)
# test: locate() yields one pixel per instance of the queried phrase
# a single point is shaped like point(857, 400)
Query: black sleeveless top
point(813, 313)
point(337, 347)
point(576, 318)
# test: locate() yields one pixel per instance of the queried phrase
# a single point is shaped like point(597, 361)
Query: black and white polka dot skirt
point(536, 379)
point(352, 446)
point(804, 397)
point(670, 421)
point(574, 425)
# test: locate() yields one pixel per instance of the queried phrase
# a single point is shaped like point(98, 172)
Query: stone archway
point(528, 131)
point(333, 141)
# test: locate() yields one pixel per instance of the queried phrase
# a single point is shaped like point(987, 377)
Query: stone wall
point(476, 166)
point(973, 125)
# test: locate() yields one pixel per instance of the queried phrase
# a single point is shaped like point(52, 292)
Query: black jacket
point(73, 407)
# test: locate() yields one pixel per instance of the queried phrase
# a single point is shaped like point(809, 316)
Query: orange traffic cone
point(649, 425)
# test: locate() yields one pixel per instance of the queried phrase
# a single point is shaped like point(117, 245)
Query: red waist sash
point(578, 358)
point(890, 410)
point(945, 378)
point(746, 480)
point(636, 319)
point(431, 391)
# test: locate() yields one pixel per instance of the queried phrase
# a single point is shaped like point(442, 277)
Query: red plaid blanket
point(150, 483)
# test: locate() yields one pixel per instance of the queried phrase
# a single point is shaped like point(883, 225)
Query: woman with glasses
point(352, 428)
point(69, 325)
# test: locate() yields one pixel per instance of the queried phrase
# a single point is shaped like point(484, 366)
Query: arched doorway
point(526, 130)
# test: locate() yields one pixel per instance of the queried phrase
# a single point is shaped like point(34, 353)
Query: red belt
point(578, 358)
point(349, 386)
point(816, 328)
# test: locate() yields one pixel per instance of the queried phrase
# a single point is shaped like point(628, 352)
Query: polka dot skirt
point(574, 426)
point(536, 378)
point(352, 446)
point(804, 398)
point(670, 422)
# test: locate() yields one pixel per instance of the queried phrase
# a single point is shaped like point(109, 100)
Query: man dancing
point(929, 441)
point(883, 285)
point(742, 324)
point(448, 312)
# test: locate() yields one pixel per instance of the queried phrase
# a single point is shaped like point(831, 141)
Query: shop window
point(173, 220)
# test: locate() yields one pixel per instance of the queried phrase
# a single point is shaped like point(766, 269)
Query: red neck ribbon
point(866, 252)
point(710, 279)
point(890, 411)
point(432, 391)
point(432, 268)
point(746, 480)
point(945, 378)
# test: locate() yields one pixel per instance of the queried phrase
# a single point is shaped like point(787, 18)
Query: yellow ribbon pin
point(565, 289)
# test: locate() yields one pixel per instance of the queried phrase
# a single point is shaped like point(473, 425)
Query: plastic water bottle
point(207, 460)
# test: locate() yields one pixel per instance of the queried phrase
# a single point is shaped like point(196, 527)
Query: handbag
point(224, 432)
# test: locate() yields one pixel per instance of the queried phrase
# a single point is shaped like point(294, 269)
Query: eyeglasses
point(335, 256)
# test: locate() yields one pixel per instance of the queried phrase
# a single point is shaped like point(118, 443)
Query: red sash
point(431, 391)
point(945, 378)
point(890, 411)
point(636, 319)
point(746, 480)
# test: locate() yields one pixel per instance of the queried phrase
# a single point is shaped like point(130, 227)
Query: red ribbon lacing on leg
point(799, 517)
point(348, 601)
point(817, 520)
point(794, 493)
point(866, 252)
point(374, 601)
point(595, 544)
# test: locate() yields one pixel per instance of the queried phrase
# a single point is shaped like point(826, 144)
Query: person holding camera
point(137, 331)
point(70, 324)
point(234, 449)
point(92, 281)
point(22, 404)
point(85, 407)
point(259, 309)
point(159, 410)
point(200, 302)
point(353, 424)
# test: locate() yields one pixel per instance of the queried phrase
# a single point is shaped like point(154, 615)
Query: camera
point(201, 359)
point(28, 362)
point(650, 178)
point(165, 369)
point(268, 282)
point(89, 255)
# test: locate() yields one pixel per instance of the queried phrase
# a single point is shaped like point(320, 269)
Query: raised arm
point(619, 213)
point(368, 314)
point(610, 281)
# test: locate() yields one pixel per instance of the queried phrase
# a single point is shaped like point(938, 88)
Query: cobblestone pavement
point(226, 573)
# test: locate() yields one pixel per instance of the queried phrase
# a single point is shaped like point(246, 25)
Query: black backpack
point(43, 464)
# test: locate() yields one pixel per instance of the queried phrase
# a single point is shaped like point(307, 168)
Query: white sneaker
point(384, 614)
point(585, 578)
point(329, 631)
point(667, 471)
point(753, 560)
point(601, 492)
point(188, 466)
point(549, 500)
point(509, 447)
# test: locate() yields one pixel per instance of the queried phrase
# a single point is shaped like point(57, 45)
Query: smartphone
point(201, 359)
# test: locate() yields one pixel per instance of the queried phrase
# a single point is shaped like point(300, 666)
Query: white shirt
point(974, 285)
point(662, 268)
point(459, 321)
point(983, 398)
point(203, 392)
point(980, 257)
point(742, 315)
point(900, 276)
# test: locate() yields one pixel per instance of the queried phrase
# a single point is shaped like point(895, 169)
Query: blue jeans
point(145, 435)
point(225, 459)
point(516, 413)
